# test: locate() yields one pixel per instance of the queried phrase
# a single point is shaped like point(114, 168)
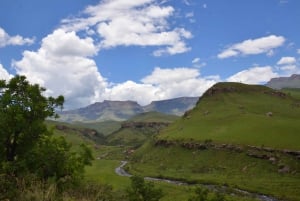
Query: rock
point(269, 114)
point(284, 169)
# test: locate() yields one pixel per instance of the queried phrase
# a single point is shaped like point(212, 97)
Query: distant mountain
point(103, 111)
point(285, 82)
point(124, 110)
point(175, 106)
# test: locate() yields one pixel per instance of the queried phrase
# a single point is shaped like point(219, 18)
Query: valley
point(239, 140)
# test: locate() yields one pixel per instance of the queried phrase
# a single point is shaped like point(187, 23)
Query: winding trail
point(121, 172)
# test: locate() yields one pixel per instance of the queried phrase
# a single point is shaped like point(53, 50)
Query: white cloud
point(254, 75)
point(126, 23)
point(6, 39)
point(197, 64)
point(286, 60)
point(204, 6)
point(298, 51)
point(291, 68)
point(64, 70)
point(178, 82)
point(4, 75)
point(253, 46)
point(196, 60)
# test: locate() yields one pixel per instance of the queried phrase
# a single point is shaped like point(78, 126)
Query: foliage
point(143, 191)
point(23, 110)
point(28, 150)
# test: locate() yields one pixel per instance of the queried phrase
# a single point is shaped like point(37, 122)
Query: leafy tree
point(143, 191)
point(54, 158)
point(23, 109)
point(27, 149)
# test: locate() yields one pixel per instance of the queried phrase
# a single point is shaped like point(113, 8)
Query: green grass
point(106, 127)
point(295, 92)
point(233, 169)
point(153, 117)
point(240, 118)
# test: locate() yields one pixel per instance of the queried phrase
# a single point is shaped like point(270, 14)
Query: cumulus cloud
point(69, 71)
point(177, 82)
point(288, 65)
point(253, 46)
point(6, 39)
point(127, 23)
point(254, 75)
point(162, 84)
point(4, 75)
point(286, 60)
point(63, 69)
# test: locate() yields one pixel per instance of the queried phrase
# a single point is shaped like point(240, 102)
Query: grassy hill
point(140, 128)
point(241, 114)
point(153, 117)
point(295, 92)
point(238, 136)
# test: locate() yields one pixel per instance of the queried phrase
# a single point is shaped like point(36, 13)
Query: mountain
point(285, 82)
point(241, 136)
point(103, 111)
point(123, 110)
point(175, 106)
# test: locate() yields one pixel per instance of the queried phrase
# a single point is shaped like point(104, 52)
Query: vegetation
point(28, 150)
point(143, 191)
point(237, 136)
point(241, 114)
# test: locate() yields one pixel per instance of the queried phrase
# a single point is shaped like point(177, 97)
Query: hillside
point(140, 128)
point(124, 110)
point(153, 117)
point(237, 136)
point(241, 114)
point(285, 82)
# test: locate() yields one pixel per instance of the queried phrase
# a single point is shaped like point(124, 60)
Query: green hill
point(153, 117)
point(241, 114)
point(239, 136)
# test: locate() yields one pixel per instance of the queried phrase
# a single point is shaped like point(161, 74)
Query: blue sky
point(146, 50)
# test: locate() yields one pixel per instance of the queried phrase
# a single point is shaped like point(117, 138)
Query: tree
point(143, 191)
point(23, 110)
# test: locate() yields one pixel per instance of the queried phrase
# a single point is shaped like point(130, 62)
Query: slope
point(241, 114)
point(238, 136)
point(140, 128)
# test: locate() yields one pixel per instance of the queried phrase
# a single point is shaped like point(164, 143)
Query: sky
point(146, 50)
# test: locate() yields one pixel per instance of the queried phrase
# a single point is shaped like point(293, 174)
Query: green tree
point(143, 191)
point(23, 109)
point(54, 158)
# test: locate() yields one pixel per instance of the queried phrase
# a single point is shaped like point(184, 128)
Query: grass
point(233, 169)
point(153, 117)
point(241, 118)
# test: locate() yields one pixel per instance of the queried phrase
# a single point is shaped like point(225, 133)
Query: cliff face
point(285, 82)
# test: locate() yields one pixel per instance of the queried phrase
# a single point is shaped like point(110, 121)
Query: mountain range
point(285, 82)
point(123, 110)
